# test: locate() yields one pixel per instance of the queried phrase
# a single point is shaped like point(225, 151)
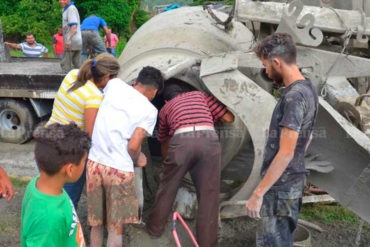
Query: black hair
point(58, 145)
point(279, 45)
point(151, 76)
point(171, 91)
point(29, 34)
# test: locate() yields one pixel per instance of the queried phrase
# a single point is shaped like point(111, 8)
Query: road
point(18, 159)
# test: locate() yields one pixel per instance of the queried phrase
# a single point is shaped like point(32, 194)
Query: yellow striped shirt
point(70, 106)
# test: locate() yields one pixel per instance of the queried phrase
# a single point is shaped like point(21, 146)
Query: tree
point(117, 13)
point(40, 17)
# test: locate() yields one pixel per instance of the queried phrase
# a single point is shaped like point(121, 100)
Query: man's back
point(93, 23)
point(49, 220)
point(122, 110)
point(189, 109)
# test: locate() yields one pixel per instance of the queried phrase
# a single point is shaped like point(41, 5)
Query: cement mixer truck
point(204, 49)
point(209, 50)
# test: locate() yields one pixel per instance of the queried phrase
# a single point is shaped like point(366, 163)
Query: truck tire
point(17, 121)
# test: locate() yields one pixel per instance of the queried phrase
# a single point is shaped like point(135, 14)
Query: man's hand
point(253, 206)
point(67, 45)
point(6, 186)
point(141, 160)
point(134, 144)
point(11, 45)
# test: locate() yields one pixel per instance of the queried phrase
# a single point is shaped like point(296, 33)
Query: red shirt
point(189, 109)
point(58, 42)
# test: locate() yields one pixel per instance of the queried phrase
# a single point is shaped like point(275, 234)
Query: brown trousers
point(199, 153)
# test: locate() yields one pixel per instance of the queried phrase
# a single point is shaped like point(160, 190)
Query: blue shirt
point(93, 23)
point(32, 51)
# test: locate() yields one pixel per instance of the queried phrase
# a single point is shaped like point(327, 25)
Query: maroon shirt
point(189, 109)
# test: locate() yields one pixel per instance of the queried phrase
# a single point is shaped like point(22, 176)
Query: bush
point(43, 17)
point(140, 18)
point(39, 17)
point(117, 13)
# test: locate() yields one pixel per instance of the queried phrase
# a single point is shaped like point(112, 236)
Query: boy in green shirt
point(48, 215)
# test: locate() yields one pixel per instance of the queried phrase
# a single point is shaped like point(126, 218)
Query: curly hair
point(279, 45)
point(58, 145)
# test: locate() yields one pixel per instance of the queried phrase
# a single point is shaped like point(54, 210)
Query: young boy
point(125, 117)
point(48, 216)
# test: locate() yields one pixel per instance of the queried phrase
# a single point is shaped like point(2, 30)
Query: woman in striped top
point(78, 100)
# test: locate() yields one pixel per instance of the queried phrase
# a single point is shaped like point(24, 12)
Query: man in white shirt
point(126, 116)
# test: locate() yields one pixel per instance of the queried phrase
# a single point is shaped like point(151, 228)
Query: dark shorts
point(111, 196)
point(279, 215)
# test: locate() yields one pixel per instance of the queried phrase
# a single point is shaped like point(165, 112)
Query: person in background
point(6, 186)
point(125, 118)
point(91, 37)
point(113, 43)
point(58, 43)
point(48, 216)
point(72, 36)
point(30, 48)
point(78, 100)
point(190, 144)
point(277, 199)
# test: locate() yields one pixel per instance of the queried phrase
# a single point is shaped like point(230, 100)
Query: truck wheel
point(17, 121)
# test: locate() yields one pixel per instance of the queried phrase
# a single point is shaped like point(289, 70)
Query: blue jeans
point(74, 190)
point(112, 51)
point(91, 37)
point(279, 215)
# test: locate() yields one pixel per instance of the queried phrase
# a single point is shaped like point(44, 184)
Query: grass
point(19, 182)
point(327, 213)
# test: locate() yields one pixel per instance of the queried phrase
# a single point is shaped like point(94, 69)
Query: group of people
point(73, 43)
point(96, 130)
point(97, 137)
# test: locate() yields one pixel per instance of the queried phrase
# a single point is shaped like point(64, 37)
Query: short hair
point(58, 145)
point(171, 91)
point(279, 45)
point(29, 34)
point(151, 76)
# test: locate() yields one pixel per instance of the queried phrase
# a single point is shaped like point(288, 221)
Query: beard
point(276, 77)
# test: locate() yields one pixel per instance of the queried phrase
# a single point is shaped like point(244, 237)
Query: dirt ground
point(18, 160)
point(233, 233)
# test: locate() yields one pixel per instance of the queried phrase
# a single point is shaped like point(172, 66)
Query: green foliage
point(117, 13)
point(151, 3)
point(43, 17)
point(40, 17)
point(200, 2)
point(8, 7)
point(140, 18)
point(120, 46)
point(327, 213)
